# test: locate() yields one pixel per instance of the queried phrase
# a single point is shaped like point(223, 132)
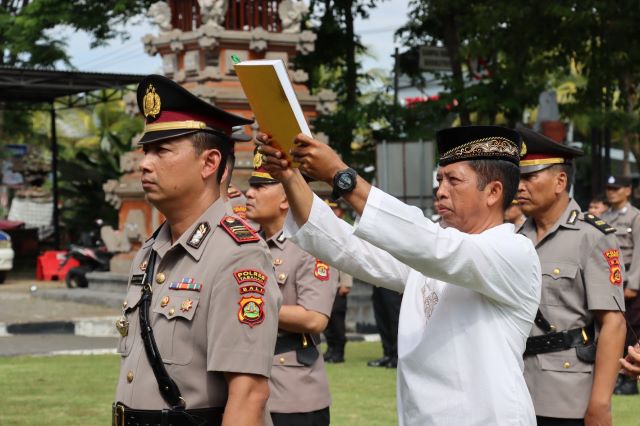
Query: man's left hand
point(343, 291)
point(316, 159)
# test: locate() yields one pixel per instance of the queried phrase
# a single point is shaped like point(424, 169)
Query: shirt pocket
point(287, 359)
point(131, 316)
point(564, 362)
point(173, 330)
point(558, 281)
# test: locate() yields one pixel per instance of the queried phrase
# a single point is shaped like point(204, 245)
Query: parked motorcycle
point(92, 256)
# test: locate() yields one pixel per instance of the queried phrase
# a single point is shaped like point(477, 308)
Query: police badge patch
point(251, 311)
point(615, 272)
point(321, 271)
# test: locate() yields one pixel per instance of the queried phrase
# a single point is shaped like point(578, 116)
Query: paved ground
point(18, 306)
point(53, 344)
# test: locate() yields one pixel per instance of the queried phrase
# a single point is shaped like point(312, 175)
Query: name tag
point(137, 279)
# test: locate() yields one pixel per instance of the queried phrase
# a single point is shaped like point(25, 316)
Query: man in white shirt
point(471, 287)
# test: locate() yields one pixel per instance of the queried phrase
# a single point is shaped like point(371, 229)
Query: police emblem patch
point(321, 271)
point(615, 272)
point(251, 311)
point(151, 103)
point(198, 235)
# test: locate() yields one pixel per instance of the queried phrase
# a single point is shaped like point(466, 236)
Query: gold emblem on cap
point(151, 102)
point(257, 160)
point(523, 150)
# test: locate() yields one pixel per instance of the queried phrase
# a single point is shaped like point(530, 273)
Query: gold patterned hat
point(478, 143)
point(543, 152)
point(171, 111)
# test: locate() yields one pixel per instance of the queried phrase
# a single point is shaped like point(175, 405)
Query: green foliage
point(89, 156)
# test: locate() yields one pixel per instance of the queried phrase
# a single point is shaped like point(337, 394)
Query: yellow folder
point(273, 101)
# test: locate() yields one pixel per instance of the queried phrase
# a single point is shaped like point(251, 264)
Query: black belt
point(560, 341)
point(125, 416)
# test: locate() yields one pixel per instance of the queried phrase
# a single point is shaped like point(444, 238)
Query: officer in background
point(386, 311)
point(199, 320)
point(570, 377)
point(626, 219)
point(235, 197)
point(299, 387)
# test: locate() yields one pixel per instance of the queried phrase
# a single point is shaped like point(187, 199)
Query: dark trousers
point(632, 314)
point(313, 418)
point(336, 333)
point(550, 421)
point(386, 310)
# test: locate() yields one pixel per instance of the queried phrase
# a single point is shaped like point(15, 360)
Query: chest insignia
point(238, 230)
point(186, 305)
point(277, 261)
point(251, 311)
point(143, 266)
point(613, 259)
point(198, 235)
point(603, 226)
point(164, 302)
point(573, 216)
point(321, 271)
point(185, 284)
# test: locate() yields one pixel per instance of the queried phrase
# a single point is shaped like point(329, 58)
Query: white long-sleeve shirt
point(469, 304)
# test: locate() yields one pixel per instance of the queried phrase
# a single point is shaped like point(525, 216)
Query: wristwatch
point(343, 182)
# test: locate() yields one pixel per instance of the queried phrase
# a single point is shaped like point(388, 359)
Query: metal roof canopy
point(19, 85)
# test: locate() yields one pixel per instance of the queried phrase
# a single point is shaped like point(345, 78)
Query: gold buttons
point(172, 311)
point(556, 271)
point(124, 304)
point(281, 360)
point(282, 276)
point(130, 377)
point(277, 262)
point(164, 302)
point(566, 365)
point(160, 277)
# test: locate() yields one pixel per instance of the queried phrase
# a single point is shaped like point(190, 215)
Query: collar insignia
point(198, 235)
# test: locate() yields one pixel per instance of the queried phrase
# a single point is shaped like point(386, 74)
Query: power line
point(118, 50)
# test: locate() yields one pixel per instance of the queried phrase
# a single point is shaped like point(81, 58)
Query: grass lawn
point(78, 390)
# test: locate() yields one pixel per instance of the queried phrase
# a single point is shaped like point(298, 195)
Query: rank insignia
point(186, 305)
point(164, 302)
point(143, 266)
point(615, 272)
point(321, 271)
point(186, 284)
point(239, 231)
point(251, 311)
point(198, 235)
point(151, 103)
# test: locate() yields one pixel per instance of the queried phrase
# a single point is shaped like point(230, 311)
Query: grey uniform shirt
point(214, 310)
point(627, 223)
point(581, 271)
point(310, 283)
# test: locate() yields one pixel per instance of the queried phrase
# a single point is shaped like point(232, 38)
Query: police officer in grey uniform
point(199, 320)
point(299, 388)
point(626, 219)
point(571, 357)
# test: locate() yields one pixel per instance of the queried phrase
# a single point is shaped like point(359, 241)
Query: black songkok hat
point(170, 111)
point(478, 143)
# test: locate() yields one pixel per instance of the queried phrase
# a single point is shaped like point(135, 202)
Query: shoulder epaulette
point(599, 223)
point(239, 231)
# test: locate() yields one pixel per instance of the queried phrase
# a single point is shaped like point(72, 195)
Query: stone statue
point(160, 14)
point(213, 12)
point(291, 13)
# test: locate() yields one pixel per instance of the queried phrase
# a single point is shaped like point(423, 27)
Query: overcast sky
point(129, 57)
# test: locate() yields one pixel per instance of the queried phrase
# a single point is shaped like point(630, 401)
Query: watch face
point(345, 181)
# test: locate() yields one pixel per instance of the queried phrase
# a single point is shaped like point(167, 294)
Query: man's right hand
point(274, 160)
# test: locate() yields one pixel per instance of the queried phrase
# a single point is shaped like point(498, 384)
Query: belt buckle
point(117, 415)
